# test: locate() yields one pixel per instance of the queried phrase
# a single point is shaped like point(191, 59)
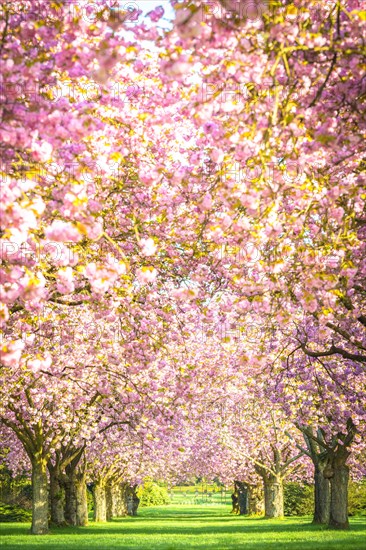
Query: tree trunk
point(81, 501)
point(109, 501)
point(243, 503)
point(332, 462)
point(57, 497)
point(116, 497)
point(135, 501)
point(321, 496)
point(122, 500)
point(130, 504)
point(339, 495)
point(70, 501)
point(255, 500)
point(100, 504)
point(40, 498)
point(321, 482)
point(241, 491)
point(273, 497)
point(235, 501)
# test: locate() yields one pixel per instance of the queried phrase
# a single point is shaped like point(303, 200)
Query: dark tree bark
point(76, 500)
point(338, 473)
point(321, 496)
point(70, 500)
point(76, 503)
point(109, 501)
point(57, 496)
point(241, 491)
point(330, 458)
point(235, 502)
point(135, 500)
point(130, 499)
point(321, 484)
point(130, 504)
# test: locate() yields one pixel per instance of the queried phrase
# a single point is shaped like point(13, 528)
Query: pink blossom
point(4, 314)
point(94, 231)
point(34, 286)
point(311, 305)
point(217, 155)
point(37, 364)
point(42, 151)
point(146, 274)
point(94, 206)
point(148, 247)
point(61, 231)
point(206, 202)
point(156, 14)
point(178, 68)
point(65, 284)
point(10, 352)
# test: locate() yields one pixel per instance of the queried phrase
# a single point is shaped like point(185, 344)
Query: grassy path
point(186, 527)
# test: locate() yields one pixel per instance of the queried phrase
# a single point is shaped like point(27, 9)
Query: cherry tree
point(159, 180)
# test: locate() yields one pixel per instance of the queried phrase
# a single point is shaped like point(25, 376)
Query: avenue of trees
point(183, 246)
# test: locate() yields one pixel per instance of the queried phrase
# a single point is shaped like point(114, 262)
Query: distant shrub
point(15, 490)
point(357, 498)
point(298, 499)
point(152, 494)
point(13, 513)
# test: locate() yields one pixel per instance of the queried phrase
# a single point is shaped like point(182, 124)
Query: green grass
point(184, 527)
point(194, 495)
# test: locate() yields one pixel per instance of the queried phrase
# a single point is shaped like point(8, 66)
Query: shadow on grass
point(147, 525)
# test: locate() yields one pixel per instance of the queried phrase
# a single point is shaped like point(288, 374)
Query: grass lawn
point(181, 527)
point(194, 495)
